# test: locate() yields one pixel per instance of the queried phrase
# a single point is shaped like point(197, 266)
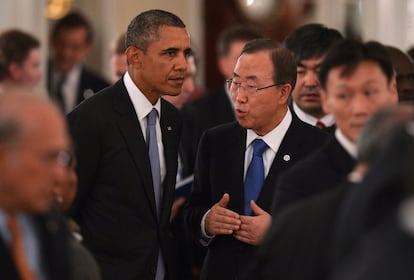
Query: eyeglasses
point(249, 89)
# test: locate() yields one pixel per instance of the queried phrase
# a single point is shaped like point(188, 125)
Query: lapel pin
point(286, 157)
point(169, 128)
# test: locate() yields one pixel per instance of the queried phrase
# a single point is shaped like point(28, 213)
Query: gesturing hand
point(253, 228)
point(221, 220)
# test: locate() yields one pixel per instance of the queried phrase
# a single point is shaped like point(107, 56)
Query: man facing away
point(126, 139)
point(238, 163)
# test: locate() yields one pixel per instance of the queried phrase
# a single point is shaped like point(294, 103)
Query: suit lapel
point(170, 140)
point(285, 157)
point(131, 130)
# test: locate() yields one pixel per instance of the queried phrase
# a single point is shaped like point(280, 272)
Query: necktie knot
point(152, 117)
point(320, 124)
point(259, 146)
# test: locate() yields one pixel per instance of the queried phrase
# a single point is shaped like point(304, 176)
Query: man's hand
point(177, 204)
point(253, 228)
point(221, 220)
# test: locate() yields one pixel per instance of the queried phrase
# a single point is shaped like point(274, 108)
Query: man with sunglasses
point(229, 206)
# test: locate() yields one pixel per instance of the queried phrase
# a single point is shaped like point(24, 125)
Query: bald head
point(33, 145)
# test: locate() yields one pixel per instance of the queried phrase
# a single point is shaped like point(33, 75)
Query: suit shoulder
point(96, 104)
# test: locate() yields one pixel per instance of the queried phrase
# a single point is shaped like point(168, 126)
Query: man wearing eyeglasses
point(233, 185)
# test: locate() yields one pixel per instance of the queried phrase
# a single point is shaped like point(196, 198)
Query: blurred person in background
point(404, 68)
point(34, 146)
point(69, 82)
point(20, 59)
point(118, 58)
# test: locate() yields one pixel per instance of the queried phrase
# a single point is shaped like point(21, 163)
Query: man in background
point(33, 156)
point(118, 58)
point(309, 43)
point(19, 59)
point(404, 68)
point(69, 82)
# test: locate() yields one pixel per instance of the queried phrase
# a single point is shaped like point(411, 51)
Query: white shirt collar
point(139, 100)
point(328, 119)
point(274, 138)
point(348, 145)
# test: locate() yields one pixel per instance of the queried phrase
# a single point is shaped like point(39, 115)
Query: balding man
point(33, 154)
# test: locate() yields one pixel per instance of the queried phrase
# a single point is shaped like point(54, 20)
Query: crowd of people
point(296, 167)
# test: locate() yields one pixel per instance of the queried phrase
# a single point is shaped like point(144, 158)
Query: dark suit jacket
point(54, 237)
point(220, 169)
point(115, 203)
point(212, 109)
point(298, 244)
point(89, 84)
point(321, 171)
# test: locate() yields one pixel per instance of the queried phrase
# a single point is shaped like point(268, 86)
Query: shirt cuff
point(205, 238)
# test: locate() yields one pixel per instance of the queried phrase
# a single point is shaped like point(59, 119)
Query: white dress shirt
point(327, 120)
point(142, 108)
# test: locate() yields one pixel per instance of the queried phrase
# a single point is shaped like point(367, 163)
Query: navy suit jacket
point(115, 203)
point(220, 169)
point(321, 171)
point(53, 238)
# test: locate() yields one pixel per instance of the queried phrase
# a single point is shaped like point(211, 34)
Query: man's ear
point(393, 91)
point(324, 101)
point(15, 71)
point(285, 92)
point(134, 56)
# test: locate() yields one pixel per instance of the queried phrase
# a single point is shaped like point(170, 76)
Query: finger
point(224, 200)
point(256, 209)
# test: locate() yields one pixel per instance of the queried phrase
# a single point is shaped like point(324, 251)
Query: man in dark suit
point(298, 244)
point(309, 43)
point(33, 155)
point(224, 211)
point(215, 107)
point(69, 82)
point(126, 190)
point(357, 80)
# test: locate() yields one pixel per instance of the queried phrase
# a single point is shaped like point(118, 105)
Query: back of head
point(235, 34)
point(15, 46)
point(348, 53)
point(73, 20)
point(284, 64)
point(311, 41)
point(143, 29)
point(379, 130)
